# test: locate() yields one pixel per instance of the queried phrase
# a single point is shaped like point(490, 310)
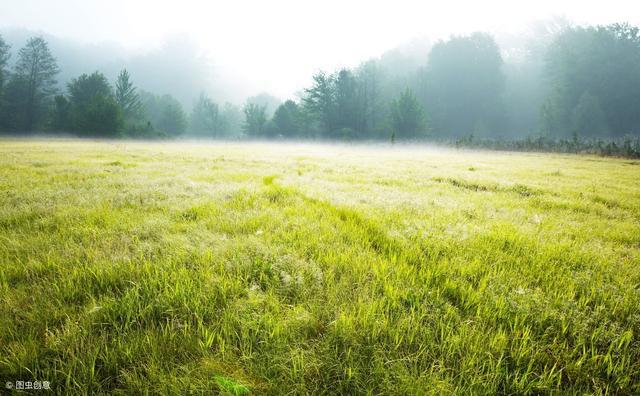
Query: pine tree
point(127, 97)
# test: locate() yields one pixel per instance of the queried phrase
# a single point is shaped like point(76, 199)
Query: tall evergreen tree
point(127, 97)
point(36, 70)
point(320, 101)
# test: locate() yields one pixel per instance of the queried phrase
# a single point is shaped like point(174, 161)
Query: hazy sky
point(275, 46)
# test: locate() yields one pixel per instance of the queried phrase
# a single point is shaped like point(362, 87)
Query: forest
point(570, 88)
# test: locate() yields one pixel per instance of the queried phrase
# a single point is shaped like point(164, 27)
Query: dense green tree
point(12, 112)
point(5, 54)
point(127, 97)
point(319, 101)
point(345, 104)
point(36, 71)
point(255, 120)
point(287, 120)
point(94, 110)
point(103, 117)
point(465, 85)
point(85, 87)
point(61, 114)
point(408, 119)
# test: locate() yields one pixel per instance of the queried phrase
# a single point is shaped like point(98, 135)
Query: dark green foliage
point(12, 112)
point(408, 119)
point(94, 110)
point(127, 97)
point(567, 81)
point(589, 86)
point(287, 120)
point(61, 114)
point(462, 86)
point(618, 147)
point(103, 117)
point(346, 104)
point(86, 87)
point(320, 101)
point(142, 130)
point(35, 73)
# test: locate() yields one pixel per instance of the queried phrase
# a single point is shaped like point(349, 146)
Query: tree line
point(585, 82)
point(31, 100)
point(581, 83)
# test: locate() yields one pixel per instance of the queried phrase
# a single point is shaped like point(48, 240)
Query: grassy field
point(164, 268)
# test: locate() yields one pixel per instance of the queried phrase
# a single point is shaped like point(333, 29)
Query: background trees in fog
point(594, 73)
point(562, 81)
point(27, 96)
point(255, 118)
point(4, 60)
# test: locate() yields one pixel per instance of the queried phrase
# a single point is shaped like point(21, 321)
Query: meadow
point(272, 268)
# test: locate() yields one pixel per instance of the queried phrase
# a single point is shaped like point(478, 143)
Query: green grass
point(164, 268)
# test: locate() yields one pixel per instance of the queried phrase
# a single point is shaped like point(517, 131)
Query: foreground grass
point(180, 268)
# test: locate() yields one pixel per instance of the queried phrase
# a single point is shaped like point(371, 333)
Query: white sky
point(276, 45)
